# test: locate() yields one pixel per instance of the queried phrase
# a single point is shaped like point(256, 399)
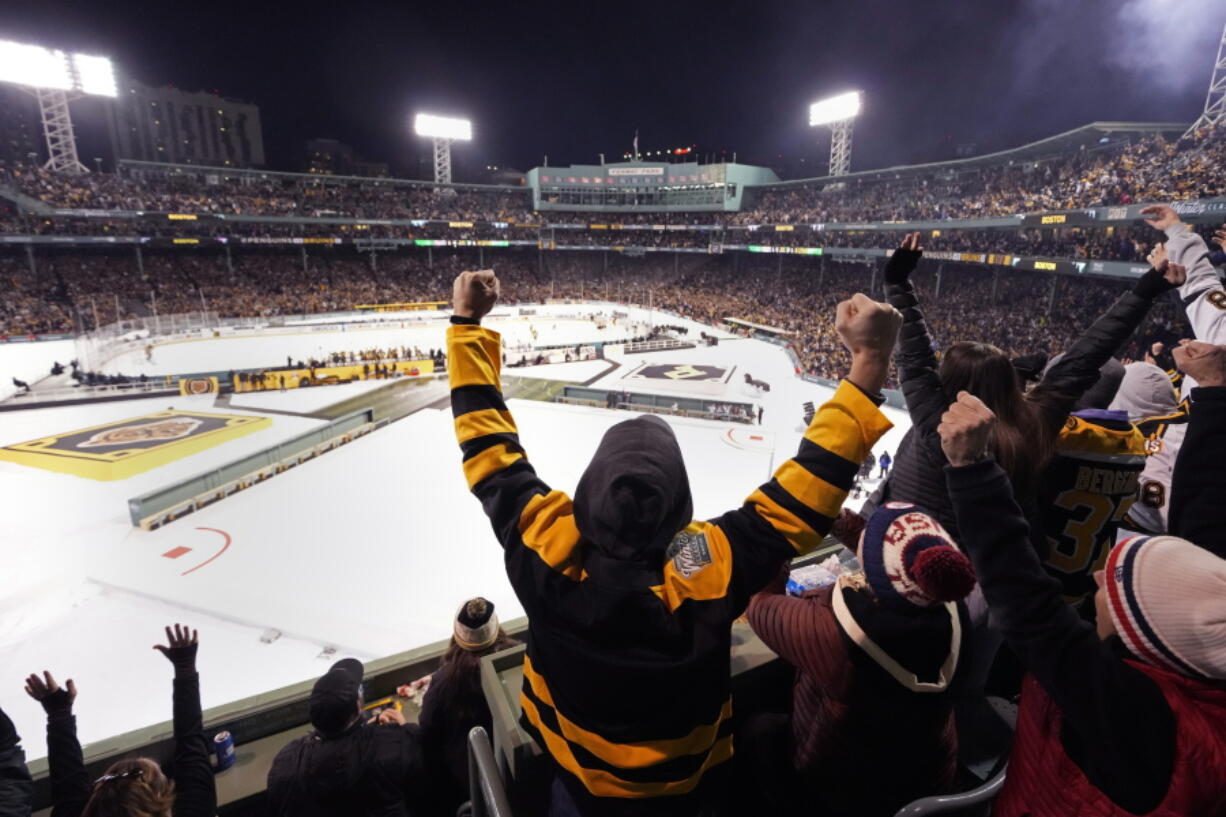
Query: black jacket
point(368, 771)
point(190, 769)
point(917, 472)
point(1117, 727)
point(1196, 486)
point(16, 787)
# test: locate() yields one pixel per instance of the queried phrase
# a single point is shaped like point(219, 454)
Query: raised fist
point(1203, 362)
point(474, 294)
point(966, 429)
point(867, 327)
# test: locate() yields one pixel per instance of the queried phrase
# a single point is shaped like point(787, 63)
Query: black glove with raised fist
point(904, 260)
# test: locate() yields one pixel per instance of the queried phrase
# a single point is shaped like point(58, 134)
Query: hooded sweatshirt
point(629, 601)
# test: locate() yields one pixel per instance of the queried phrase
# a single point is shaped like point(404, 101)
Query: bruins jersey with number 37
point(1085, 493)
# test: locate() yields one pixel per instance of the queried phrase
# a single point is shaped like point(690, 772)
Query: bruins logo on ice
point(671, 371)
point(689, 552)
point(120, 449)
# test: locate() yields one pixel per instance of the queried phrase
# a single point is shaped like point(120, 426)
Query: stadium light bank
point(56, 78)
point(839, 114)
point(443, 130)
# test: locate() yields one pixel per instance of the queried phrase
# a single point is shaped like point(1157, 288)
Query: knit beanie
point(909, 559)
point(476, 626)
point(1167, 599)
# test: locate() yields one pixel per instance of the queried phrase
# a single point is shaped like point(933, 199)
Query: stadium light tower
point(443, 130)
point(839, 114)
point(1215, 100)
point(56, 78)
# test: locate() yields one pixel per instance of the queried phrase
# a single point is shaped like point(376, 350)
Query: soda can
point(223, 747)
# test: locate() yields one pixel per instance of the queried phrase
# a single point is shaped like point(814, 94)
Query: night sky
point(573, 80)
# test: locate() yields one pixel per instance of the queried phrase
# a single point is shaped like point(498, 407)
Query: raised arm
point(1202, 294)
point(195, 793)
point(1196, 489)
point(536, 526)
point(917, 363)
point(70, 785)
point(1124, 728)
point(790, 514)
point(1064, 383)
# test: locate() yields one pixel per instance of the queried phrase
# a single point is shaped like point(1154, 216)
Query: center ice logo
point(163, 430)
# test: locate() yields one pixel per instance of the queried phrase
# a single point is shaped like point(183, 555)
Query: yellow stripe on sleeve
point(474, 356)
point(802, 537)
point(547, 527)
point(711, 582)
point(486, 421)
point(814, 492)
point(489, 462)
point(848, 424)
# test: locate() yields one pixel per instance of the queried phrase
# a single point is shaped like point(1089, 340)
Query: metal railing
point(487, 794)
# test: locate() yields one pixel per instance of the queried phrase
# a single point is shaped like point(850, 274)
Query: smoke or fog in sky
point(1166, 45)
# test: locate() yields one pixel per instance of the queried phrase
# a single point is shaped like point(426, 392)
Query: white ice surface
point(306, 400)
point(368, 548)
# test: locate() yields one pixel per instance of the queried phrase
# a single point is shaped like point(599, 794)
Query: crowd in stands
point(791, 293)
point(1150, 169)
point(975, 574)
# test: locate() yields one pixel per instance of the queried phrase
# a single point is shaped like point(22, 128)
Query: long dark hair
point(1019, 440)
point(135, 787)
point(466, 674)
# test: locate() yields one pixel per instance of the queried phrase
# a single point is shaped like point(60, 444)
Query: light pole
point(1215, 100)
point(55, 78)
point(839, 114)
point(443, 130)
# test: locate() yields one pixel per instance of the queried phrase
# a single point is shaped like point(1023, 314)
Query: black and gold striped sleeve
point(535, 525)
point(791, 514)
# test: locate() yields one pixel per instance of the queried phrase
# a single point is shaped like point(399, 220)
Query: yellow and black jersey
point(1163, 438)
point(1086, 492)
point(626, 679)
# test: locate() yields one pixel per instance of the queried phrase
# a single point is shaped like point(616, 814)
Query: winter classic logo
point(689, 552)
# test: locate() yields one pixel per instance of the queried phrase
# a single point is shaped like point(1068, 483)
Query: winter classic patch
point(689, 552)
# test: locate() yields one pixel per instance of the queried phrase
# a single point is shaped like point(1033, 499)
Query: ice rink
point(367, 550)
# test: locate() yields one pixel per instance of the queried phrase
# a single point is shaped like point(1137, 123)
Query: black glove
point(1152, 284)
point(901, 264)
point(57, 703)
point(182, 649)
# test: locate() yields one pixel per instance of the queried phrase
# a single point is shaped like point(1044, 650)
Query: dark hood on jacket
point(635, 494)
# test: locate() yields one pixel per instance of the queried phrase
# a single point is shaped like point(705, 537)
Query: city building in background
point(331, 157)
point(20, 130)
point(166, 124)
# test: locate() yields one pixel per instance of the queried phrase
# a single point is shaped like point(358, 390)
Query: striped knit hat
point(1167, 599)
point(909, 559)
point(476, 626)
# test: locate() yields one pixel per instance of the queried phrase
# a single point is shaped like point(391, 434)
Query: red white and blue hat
point(909, 559)
point(1167, 599)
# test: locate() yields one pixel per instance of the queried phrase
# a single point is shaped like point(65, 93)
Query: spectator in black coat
point(16, 787)
point(133, 785)
point(347, 767)
point(454, 703)
point(1028, 424)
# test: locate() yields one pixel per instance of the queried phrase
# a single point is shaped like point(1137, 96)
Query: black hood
point(635, 494)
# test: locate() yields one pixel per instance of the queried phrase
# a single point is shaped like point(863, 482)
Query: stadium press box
point(124, 448)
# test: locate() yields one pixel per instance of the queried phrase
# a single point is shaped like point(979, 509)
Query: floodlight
point(835, 109)
point(443, 127)
point(95, 75)
point(35, 66)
